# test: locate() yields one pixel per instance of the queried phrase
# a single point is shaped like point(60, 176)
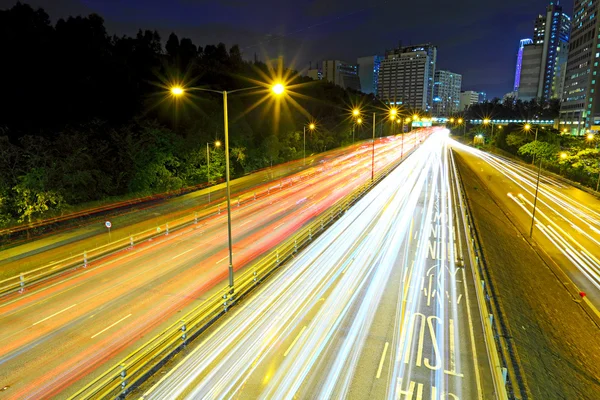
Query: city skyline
point(344, 31)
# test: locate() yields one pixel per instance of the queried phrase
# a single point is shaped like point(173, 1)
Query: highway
point(567, 219)
point(74, 239)
point(57, 335)
point(380, 306)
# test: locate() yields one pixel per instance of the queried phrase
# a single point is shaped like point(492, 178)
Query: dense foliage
point(86, 115)
point(575, 157)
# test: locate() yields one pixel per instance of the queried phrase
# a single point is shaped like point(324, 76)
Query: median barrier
point(121, 378)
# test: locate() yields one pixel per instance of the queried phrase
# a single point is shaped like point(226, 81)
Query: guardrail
point(121, 378)
point(491, 331)
point(21, 281)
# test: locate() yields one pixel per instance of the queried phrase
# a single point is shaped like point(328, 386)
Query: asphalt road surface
point(380, 306)
point(567, 219)
point(57, 335)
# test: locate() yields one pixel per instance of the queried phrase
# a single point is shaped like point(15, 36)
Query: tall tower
point(579, 110)
point(542, 62)
point(522, 44)
point(406, 76)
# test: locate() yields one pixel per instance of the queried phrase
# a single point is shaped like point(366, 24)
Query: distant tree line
point(86, 115)
point(512, 109)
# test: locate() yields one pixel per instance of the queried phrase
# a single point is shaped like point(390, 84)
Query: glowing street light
point(563, 155)
point(393, 112)
point(451, 120)
point(590, 136)
point(312, 127)
point(177, 91)
point(278, 88)
point(217, 144)
point(356, 112)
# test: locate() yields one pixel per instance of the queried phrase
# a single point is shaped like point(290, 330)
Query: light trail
point(157, 279)
point(316, 329)
point(569, 224)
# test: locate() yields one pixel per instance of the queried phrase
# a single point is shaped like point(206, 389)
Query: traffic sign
point(108, 224)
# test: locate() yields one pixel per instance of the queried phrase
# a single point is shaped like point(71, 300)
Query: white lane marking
point(279, 226)
point(224, 258)
point(56, 313)
point(180, 254)
point(382, 359)
point(110, 326)
point(244, 223)
point(294, 342)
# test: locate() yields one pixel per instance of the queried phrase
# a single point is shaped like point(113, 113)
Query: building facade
point(522, 44)
point(446, 93)
point(546, 56)
point(406, 76)
point(579, 109)
point(341, 73)
point(368, 73)
point(468, 98)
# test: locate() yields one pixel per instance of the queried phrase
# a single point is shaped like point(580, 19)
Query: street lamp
point(527, 128)
point(356, 116)
point(488, 121)
point(217, 144)
point(276, 89)
point(312, 127)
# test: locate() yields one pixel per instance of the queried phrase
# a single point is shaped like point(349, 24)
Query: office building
point(406, 76)
point(467, 99)
point(544, 60)
point(579, 109)
point(368, 73)
point(341, 73)
point(481, 97)
point(314, 73)
point(531, 68)
point(446, 93)
point(522, 44)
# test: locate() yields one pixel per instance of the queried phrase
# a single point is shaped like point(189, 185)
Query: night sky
point(475, 38)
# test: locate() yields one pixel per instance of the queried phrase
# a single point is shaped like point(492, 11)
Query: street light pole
point(537, 185)
point(535, 141)
point(373, 152)
point(228, 190)
point(304, 147)
point(208, 170)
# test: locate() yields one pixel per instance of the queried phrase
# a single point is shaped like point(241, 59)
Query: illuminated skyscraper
point(522, 44)
point(406, 76)
point(542, 63)
point(446, 93)
point(580, 108)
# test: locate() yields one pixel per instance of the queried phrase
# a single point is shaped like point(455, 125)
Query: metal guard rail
point(490, 329)
point(19, 282)
point(123, 377)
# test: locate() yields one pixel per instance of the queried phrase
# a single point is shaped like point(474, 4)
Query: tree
point(172, 46)
point(540, 150)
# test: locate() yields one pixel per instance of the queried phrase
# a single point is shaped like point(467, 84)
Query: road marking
point(294, 342)
point(108, 327)
point(244, 223)
point(56, 313)
point(179, 255)
point(382, 359)
point(279, 226)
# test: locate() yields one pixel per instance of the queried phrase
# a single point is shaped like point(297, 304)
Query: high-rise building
point(481, 97)
point(580, 108)
point(406, 76)
point(544, 60)
point(446, 93)
point(522, 44)
point(341, 73)
point(368, 72)
point(468, 98)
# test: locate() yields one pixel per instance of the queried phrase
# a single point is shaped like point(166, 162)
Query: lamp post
point(527, 128)
point(277, 89)
point(488, 121)
point(312, 127)
point(537, 185)
point(217, 144)
point(460, 122)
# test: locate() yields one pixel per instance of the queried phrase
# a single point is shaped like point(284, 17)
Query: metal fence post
point(183, 329)
point(167, 228)
point(22, 279)
point(85, 263)
point(196, 217)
